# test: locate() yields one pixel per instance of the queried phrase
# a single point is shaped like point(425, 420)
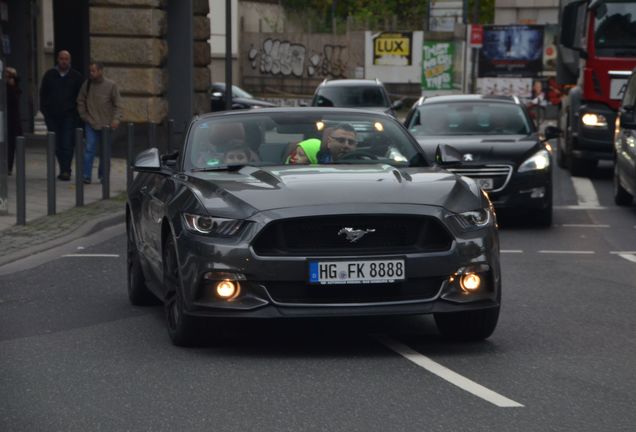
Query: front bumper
point(531, 190)
point(277, 286)
point(593, 143)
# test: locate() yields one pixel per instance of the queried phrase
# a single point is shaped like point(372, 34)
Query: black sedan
point(311, 212)
point(498, 146)
point(240, 98)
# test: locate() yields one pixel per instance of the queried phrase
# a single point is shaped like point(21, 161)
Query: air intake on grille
point(318, 235)
point(499, 174)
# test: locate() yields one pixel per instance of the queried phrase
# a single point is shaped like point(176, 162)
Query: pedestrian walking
point(58, 102)
point(99, 106)
point(14, 127)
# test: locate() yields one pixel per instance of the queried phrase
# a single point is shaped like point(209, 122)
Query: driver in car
point(339, 141)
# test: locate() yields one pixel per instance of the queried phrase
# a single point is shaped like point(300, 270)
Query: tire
point(621, 196)
point(138, 292)
point(181, 327)
point(543, 217)
point(561, 156)
point(467, 326)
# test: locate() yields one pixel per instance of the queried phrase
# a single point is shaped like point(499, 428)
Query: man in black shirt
point(58, 95)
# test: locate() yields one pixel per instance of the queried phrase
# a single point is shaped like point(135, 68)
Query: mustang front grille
point(352, 235)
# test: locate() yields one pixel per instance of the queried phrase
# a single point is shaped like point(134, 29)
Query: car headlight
point(473, 220)
point(538, 161)
point(212, 225)
point(594, 120)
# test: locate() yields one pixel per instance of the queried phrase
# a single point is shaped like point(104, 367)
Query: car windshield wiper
point(232, 167)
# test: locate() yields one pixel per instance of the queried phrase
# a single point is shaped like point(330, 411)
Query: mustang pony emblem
point(354, 235)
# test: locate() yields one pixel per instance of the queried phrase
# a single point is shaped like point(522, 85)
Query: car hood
point(254, 189)
point(493, 148)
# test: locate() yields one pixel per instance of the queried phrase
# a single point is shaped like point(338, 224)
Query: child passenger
point(305, 152)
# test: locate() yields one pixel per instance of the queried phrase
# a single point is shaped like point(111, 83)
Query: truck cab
point(597, 53)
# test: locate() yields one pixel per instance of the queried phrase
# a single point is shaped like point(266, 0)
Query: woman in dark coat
point(14, 128)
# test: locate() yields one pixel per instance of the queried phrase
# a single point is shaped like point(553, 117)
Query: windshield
point(615, 29)
point(298, 137)
point(461, 118)
point(351, 97)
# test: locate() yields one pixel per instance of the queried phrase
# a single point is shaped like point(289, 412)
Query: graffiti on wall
point(277, 57)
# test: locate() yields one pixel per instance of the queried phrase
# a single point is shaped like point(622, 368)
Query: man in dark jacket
point(58, 96)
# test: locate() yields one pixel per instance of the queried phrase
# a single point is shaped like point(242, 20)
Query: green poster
point(437, 66)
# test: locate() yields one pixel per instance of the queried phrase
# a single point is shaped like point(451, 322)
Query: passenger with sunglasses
point(339, 141)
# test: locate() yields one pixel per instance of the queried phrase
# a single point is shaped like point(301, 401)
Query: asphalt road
point(75, 356)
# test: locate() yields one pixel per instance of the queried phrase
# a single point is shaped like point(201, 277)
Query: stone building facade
point(130, 38)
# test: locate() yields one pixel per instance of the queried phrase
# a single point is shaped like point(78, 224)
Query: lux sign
point(392, 49)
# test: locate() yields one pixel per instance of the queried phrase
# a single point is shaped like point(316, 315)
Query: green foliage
point(404, 10)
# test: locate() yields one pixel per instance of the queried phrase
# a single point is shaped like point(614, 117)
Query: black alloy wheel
point(181, 327)
point(543, 217)
point(468, 326)
point(138, 292)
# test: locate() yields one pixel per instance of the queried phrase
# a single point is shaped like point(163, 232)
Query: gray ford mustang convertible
point(312, 212)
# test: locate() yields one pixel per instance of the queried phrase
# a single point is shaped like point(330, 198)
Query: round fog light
point(227, 289)
point(470, 282)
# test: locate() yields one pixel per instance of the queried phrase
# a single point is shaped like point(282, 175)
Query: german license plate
point(356, 272)
point(617, 88)
point(484, 183)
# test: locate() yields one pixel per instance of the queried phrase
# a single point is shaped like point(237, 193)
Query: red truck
point(596, 54)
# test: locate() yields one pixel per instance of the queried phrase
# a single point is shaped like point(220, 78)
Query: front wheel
point(181, 327)
point(138, 292)
point(472, 325)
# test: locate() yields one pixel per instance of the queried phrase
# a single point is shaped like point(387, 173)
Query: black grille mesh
point(318, 235)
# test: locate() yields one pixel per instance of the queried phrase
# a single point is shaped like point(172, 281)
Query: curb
point(87, 228)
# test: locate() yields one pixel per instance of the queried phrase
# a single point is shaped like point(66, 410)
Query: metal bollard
point(152, 135)
point(170, 133)
point(20, 181)
point(79, 167)
point(50, 173)
point(106, 151)
point(131, 147)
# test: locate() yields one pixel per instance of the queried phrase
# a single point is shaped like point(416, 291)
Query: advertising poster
point(437, 66)
point(511, 51)
point(520, 87)
point(392, 49)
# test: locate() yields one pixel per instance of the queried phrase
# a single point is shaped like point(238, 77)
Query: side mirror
point(447, 155)
point(148, 160)
point(217, 94)
point(551, 132)
point(398, 104)
point(627, 118)
point(573, 19)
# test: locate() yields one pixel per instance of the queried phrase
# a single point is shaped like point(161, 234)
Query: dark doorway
point(70, 23)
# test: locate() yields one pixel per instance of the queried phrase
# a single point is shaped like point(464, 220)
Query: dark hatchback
point(355, 93)
point(625, 147)
point(497, 144)
point(240, 98)
point(377, 231)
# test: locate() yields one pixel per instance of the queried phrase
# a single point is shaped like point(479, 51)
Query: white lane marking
point(511, 251)
point(580, 207)
point(585, 225)
point(90, 256)
point(622, 252)
point(585, 252)
point(628, 257)
point(585, 192)
point(448, 375)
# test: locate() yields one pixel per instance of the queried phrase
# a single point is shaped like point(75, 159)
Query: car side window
point(629, 100)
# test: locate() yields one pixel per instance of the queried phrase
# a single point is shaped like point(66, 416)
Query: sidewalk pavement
point(43, 232)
